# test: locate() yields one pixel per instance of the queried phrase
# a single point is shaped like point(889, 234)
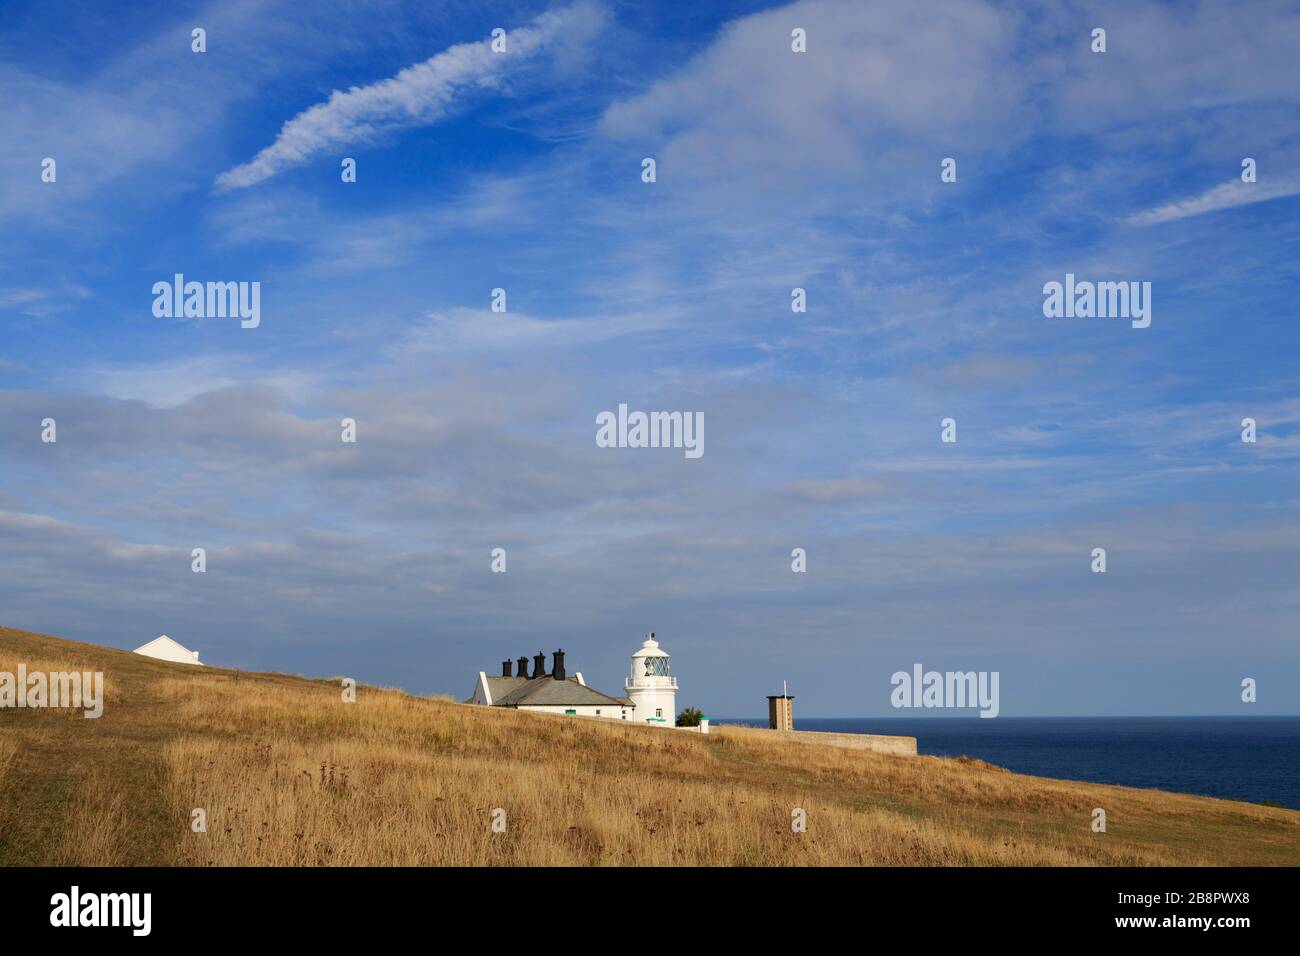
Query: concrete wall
point(875, 742)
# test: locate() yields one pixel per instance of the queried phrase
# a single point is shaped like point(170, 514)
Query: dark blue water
point(1239, 758)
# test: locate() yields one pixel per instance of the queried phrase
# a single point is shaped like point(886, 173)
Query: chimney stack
point(557, 670)
point(506, 668)
point(523, 667)
point(539, 665)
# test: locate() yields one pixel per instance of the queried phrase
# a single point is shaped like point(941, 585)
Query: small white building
point(165, 649)
point(650, 687)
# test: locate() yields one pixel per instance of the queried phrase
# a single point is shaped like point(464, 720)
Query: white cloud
point(461, 328)
point(879, 82)
point(839, 490)
point(1224, 196)
point(141, 105)
point(43, 301)
point(169, 383)
point(1166, 59)
point(419, 95)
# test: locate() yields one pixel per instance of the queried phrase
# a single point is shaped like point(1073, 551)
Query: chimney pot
point(506, 668)
point(523, 667)
point(557, 669)
point(539, 665)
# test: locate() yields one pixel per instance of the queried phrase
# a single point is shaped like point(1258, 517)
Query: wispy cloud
point(887, 83)
point(170, 383)
point(1224, 196)
point(42, 301)
point(837, 490)
point(461, 328)
point(419, 95)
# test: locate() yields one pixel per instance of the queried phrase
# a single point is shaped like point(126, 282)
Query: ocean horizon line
point(975, 715)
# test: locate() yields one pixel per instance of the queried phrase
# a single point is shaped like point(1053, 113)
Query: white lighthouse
point(651, 688)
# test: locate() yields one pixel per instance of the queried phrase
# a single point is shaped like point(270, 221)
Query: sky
point(475, 429)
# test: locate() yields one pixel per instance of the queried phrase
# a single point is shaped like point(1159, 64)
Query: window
point(656, 667)
point(597, 711)
point(659, 711)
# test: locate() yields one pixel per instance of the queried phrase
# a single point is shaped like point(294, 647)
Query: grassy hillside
point(289, 774)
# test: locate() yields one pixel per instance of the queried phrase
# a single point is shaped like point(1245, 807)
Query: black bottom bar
point(215, 905)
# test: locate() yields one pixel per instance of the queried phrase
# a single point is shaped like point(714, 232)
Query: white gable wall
point(482, 695)
point(163, 648)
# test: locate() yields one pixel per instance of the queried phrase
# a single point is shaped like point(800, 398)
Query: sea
point(1237, 758)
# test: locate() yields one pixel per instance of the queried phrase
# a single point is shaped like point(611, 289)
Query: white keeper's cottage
point(165, 649)
point(651, 690)
point(553, 693)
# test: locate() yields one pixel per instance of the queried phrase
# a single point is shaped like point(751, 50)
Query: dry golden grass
point(8, 758)
point(98, 828)
point(289, 774)
point(8, 751)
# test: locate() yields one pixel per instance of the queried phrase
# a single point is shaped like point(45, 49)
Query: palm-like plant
point(690, 717)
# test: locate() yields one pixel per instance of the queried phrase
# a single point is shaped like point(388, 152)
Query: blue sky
point(476, 429)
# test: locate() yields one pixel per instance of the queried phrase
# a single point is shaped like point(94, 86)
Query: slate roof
point(547, 692)
point(500, 686)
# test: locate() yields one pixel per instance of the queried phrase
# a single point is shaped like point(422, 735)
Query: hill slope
point(287, 773)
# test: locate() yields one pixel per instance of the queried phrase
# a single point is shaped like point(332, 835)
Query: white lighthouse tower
point(651, 688)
